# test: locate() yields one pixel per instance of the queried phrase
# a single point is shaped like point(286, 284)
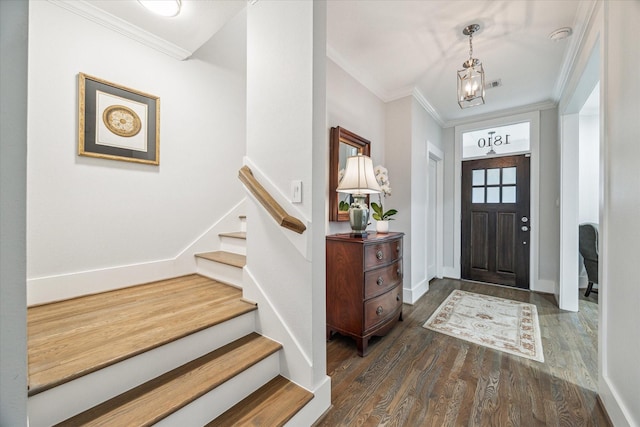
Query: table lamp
point(359, 180)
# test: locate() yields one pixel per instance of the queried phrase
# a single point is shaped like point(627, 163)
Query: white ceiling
point(399, 47)
point(394, 46)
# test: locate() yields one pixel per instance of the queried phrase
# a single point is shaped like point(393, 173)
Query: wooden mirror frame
point(341, 135)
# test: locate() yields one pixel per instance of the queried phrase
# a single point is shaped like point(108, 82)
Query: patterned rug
point(498, 323)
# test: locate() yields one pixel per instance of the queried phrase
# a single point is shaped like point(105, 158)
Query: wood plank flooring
point(71, 338)
point(418, 377)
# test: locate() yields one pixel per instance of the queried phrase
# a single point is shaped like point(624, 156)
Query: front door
point(495, 220)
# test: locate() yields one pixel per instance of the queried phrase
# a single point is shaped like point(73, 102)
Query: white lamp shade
point(359, 177)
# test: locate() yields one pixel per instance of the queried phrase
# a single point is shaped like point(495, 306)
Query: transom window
point(497, 185)
point(496, 141)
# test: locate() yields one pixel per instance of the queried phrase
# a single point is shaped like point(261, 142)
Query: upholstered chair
point(589, 251)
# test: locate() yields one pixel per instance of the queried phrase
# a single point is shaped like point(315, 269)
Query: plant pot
point(382, 227)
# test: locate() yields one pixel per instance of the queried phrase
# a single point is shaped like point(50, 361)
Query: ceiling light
point(561, 34)
point(166, 8)
point(471, 77)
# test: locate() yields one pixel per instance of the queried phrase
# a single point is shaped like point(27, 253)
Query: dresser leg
point(329, 333)
point(362, 344)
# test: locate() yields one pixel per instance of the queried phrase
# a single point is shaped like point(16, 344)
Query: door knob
point(524, 219)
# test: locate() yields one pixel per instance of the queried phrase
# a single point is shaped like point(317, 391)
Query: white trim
point(534, 118)
point(427, 106)
point(411, 295)
point(435, 153)
point(363, 78)
point(498, 115)
point(99, 16)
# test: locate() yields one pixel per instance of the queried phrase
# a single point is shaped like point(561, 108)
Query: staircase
point(177, 352)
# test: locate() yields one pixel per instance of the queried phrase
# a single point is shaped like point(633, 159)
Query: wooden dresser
point(364, 285)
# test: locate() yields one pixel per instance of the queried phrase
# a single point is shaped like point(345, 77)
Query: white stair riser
point(232, 244)
point(223, 397)
point(59, 403)
point(243, 224)
point(219, 271)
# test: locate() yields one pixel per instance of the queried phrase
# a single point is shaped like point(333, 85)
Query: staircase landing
point(72, 338)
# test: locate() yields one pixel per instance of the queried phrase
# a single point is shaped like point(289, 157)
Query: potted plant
point(381, 216)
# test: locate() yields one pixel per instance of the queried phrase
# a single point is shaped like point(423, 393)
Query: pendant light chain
point(471, 47)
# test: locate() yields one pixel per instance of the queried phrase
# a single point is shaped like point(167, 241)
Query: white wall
point(286, 140)
point(619, 296)
point(352, 106)
point(448, 138)
point(589, 169)
point(95, 215)
point(548, 209)
point(424, 130)
point(14, 24)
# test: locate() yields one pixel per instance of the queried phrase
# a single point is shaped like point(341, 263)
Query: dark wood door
point(495, 220)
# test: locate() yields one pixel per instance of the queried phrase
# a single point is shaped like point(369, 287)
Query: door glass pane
point(509, 175)
point(478, 177)
point(493, 176)
point(477, 196)
point(509, 194)
point(493, 194)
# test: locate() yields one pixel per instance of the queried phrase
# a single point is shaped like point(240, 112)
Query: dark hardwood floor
point(418, 377)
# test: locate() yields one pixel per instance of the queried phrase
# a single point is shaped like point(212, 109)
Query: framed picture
point(116, 122)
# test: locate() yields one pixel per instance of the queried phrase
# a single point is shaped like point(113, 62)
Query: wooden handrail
point(269, 203)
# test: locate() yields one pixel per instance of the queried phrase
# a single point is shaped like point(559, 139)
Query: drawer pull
point(398, 297)
point(398, 248)
point(379, 254)
point(379, 310)
point(398, 272)
point(380, 281)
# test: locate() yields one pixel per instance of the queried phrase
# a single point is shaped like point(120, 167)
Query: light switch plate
point(296, 191)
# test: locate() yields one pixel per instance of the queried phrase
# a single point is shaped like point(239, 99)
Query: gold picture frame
point(116, 122)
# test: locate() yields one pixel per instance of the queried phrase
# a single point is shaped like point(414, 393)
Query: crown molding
point(539, 106)
point(427, 106)
point(99, 16)
point(584, 15)
point(360, 77)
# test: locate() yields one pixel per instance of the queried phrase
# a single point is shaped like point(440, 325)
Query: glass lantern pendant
point(471, 77)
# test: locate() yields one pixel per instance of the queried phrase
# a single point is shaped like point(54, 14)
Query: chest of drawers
point(364, 285)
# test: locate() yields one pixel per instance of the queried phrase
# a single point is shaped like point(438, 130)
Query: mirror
point(344, 144)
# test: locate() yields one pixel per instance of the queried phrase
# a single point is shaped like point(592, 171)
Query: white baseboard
point(450, 272)
point(544, 286)
point(41, 290)
point(313, 410)
point(410, 296)
point(618, 413)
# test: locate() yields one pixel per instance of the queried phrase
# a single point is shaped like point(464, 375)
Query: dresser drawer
point(382, 253)
point(382, 279)
point(380, 308)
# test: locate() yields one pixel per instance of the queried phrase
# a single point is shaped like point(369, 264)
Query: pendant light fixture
point(471, 77)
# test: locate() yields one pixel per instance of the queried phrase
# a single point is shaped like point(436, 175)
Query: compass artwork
point(116, 122)
point(121, 120)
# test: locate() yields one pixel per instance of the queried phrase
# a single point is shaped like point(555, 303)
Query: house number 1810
point(497, 140)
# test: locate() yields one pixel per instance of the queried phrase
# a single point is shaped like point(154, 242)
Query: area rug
point(498, 323)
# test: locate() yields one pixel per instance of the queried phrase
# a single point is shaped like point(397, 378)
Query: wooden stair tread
point(229, 258)
point(235, 235)
point(273, 404)
point(152, 401)
point(72, 338)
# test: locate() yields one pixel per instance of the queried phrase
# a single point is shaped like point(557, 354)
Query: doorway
point(496, 220)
